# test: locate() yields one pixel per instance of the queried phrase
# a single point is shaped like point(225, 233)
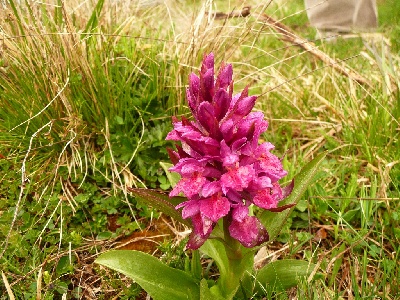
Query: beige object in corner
point(342, 15)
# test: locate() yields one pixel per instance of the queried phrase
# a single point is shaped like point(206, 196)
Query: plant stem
point(238, 263)
point(233, 247)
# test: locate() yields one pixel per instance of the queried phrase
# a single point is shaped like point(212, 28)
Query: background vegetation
point(87, 90)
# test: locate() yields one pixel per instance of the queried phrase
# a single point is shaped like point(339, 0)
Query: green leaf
point(94, 18)
point(216, 250)
point(349, 215)
point(173, 177)
point(231, 270)
point(275, 221)
point(282, 274)
point(160, 281)
point(195, 267)
point(119, 120)
point(205, 292)
point(104, 235)
point(64, 266)
point(302, 205)
point(165, 186)
point(161, 202)
point(337, 264)
point(61, 287)
point(16, 14)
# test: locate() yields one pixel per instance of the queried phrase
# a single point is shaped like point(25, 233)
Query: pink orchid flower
point(223, 168)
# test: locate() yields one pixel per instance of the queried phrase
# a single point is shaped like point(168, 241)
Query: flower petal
point(202, 228)
point(251, 127)
point(206, 117)
point(210, 188)
point(237, 178)
point(229, 158)
point(190, 208)
point(188, 166)
point(248, 230)
point(234, 197)
point(227, 129)
point(192, 93)
point(221, 103)
point(207, 79)
point(241, 105)
point(189, 186)
point(260, 183)
point(245, 106)
point(173, 156)
point(224, 76)
point(215, 207)
point(196, 241)
point(201, 144)
point(271, 166)
point(208, 62)
point(194, 86)
point(268, 198)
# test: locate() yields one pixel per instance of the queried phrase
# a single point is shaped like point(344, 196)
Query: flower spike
point(223, 168)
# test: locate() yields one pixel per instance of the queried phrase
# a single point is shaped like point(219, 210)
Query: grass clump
point(77, 109)
point(86, 95)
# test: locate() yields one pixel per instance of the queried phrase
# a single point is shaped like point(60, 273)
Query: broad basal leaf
point(160, 281)
point(206, 294)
